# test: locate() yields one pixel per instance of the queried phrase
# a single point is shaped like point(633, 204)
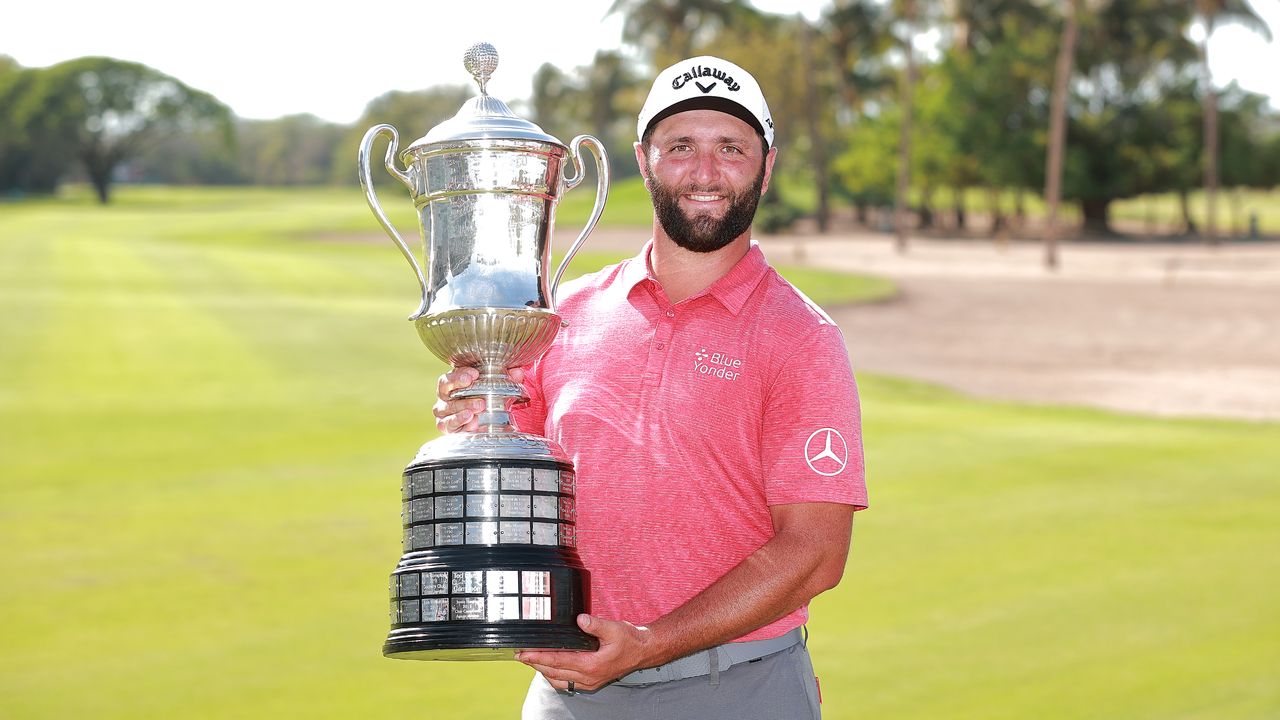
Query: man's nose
point(705, 170)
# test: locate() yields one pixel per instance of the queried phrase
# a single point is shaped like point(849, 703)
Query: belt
point(712, 660)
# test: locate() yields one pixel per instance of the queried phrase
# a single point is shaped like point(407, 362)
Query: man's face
point(705, 171)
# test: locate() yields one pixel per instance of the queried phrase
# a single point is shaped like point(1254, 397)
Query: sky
point(270, 58)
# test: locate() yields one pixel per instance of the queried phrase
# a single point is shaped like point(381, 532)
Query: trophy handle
point(602, 194)
point(366, 183)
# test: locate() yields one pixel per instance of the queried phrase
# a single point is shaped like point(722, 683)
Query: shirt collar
point(732, 289)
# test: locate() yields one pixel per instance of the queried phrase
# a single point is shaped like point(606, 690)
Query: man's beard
point(703, 233)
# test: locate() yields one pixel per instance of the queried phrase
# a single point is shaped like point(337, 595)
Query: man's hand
point(455, 415)
point(623, 648)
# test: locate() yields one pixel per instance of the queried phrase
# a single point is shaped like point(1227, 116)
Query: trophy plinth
point(490, 563)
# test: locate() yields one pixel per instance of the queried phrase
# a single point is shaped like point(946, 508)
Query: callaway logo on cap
point(706, 83)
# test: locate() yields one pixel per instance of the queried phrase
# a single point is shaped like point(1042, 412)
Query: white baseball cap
point(706, 83)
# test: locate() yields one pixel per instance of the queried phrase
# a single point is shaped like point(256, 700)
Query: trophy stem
point(496, 416)
point(499, 393)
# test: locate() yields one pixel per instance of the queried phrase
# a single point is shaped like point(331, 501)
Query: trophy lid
point(484, 117)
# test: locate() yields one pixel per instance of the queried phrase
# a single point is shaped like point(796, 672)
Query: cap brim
point(706, 103)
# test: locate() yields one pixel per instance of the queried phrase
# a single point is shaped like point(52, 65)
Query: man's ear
point(768, 168)
point(642, 162)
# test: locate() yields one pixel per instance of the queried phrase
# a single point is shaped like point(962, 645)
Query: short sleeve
point(812, 426)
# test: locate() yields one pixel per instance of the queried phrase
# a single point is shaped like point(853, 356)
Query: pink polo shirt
point(686, 422)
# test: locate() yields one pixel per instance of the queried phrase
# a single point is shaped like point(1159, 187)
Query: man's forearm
point(804, 558)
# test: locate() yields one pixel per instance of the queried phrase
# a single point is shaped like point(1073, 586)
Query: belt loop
point(805, 641)
point(713, 655)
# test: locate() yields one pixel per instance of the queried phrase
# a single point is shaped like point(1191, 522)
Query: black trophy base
point(482, 641)
point(491, 565)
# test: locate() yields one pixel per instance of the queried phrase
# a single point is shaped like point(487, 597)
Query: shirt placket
point(659, 348)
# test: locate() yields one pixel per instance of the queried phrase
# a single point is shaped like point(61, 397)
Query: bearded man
point(712, 418)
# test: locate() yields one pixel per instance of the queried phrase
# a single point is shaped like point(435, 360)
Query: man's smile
point(703, 199)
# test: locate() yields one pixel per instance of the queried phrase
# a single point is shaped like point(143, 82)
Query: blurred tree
point(997, 64)
point(412, 114)
point(32, 156)
point(1058, 128)
point(601, 99)
point(608, 82)
point(554, 93)
point(201, 157)
point(1131, 54)
point(292, 150)
point(907, 12)
point(995, 75)
point(815, 105)
point(8, 65)
point(668, 30)
point(933, 151)
point(103, 112)
point(976, 26)
point(1269, 157)
point(865, 169)
point(1211, 14)
point(1246, 138)
point(857, 39)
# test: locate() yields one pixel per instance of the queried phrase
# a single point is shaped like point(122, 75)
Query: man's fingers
point(455, 379)
point(464, 420)
point(446, 408)
point(455, 415)
point(559, 678)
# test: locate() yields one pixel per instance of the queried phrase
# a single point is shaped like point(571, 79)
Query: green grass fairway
point(206, 405)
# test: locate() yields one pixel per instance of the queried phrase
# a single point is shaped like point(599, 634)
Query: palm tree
point(1058, 130)
point(1211, 13)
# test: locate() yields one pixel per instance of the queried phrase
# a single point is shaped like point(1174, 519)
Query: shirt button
point(660, 346)
point(671, 313)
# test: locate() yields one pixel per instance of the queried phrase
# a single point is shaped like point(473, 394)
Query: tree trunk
point(926, 209)
point(1058, 134)
point(817, 143)
point(997, 215)
point(957, 199)
point(1096, 213)
point(904, 144)
point(99, 173)
point(1210, 138)
point(1184, 203)
point(1237, 214)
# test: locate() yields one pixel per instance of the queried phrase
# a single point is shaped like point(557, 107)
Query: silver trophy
point(490, 563)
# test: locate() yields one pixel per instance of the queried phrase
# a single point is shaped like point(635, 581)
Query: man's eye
point(732, 149)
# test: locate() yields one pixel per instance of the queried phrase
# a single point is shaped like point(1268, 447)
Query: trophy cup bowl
point(490, 564)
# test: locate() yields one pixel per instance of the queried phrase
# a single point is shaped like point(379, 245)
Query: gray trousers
point(780, 686)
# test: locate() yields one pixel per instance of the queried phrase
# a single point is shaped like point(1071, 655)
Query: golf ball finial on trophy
point(490, 563)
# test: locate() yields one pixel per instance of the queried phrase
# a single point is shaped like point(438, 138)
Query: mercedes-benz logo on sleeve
point(825, 452)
